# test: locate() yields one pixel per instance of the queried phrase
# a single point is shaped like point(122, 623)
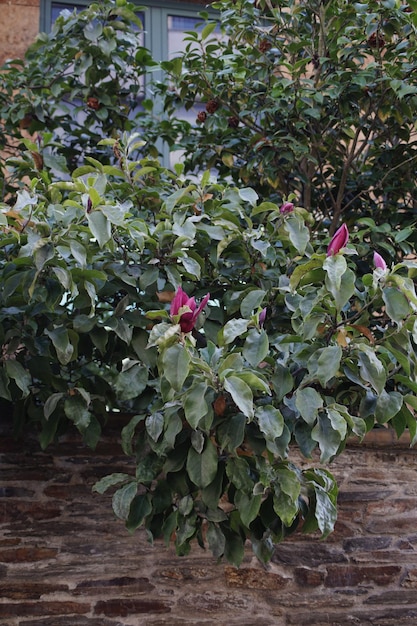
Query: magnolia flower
point(338, 241)
point(186, 309)
point(379, 261)
point(262, 317)
point(287, 207)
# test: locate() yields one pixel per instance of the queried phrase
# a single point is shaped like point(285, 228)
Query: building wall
point(66, 561)
point(19, 25)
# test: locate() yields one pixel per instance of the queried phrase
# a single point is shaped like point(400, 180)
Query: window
point(164, 24)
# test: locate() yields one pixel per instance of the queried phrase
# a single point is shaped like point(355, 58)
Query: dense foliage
point(235, 333)
point(313, 98)
point(80, 82)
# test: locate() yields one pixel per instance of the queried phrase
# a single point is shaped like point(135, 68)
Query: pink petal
point(338, 241)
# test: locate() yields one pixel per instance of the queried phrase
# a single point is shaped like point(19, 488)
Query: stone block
point(352, 575)
point(70, 621)
point(366, 544)
point(399, 596)
point(125, 585)
point(251, 578)
point(306, 577)
point(21, 609)
point(214, 602)
point(29, 590)
point(120, 607)
point(27, 555)
point(303, 553)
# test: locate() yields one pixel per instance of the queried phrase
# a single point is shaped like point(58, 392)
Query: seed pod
point(202, 116)
point(265, 45)
point(376, 40)
point(233, 121)
point(212, 106)
point(93, 103)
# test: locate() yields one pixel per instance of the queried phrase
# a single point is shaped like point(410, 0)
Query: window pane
point(57, 8)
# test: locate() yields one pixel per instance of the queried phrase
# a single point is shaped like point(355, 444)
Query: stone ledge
point(382, 438)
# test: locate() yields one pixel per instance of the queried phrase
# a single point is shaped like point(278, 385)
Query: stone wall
point(66, 561)
point(19, 25)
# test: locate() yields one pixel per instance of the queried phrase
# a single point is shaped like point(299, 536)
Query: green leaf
point(208, 29)
point(191, 266)
point(51, 404)
point(149, 277)
point(304, 270)
point(100, 227)
point(287, 490)
point(79, 252)
point(388, 405)
point(234, 549)
point(4, 385)
point(122, 499)
point(202, 468)
point(76, 410)
point(411, 421)
point(43, 254)
point(252, 301)
point(335, 266)
point(345, 290)
point(256, 346)
point(308, 401)
point(328, 437)
point(195, 405)
point(110, 481)
point(231, 432)
point(241, 394)
point(60, 339)
point(371, 368)
point(325, 511)
point(21, 377)
point(140, 507)
point(238, 472)
point(232, 363)
point(324, 364)
point(282, 381)
point(271, 422)
point(176, 364)
point(234, 328)
point(249, 195)
point(154, 425)
point(396, 304)
point(248, 506)
point(131, 382)
point(298, 232)
point(215, 539)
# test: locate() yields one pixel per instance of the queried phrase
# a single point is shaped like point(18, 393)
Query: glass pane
point(177, 26)
point(57, 8)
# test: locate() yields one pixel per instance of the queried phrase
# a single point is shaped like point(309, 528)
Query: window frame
point(156, 12)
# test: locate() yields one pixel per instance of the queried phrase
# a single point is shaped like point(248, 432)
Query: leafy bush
point(298, 346)
point(235, 333)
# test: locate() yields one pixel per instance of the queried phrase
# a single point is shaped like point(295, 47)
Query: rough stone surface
point(19, 25)
point(65, 560)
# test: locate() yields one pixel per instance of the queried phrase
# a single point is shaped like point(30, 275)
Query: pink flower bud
point(186, 309)
point(338, 241)
point(262, 317)
point(379, 261)
point(287, 207)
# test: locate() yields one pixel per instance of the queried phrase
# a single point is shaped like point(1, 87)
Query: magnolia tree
point(235, 335)
point(234, 339)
